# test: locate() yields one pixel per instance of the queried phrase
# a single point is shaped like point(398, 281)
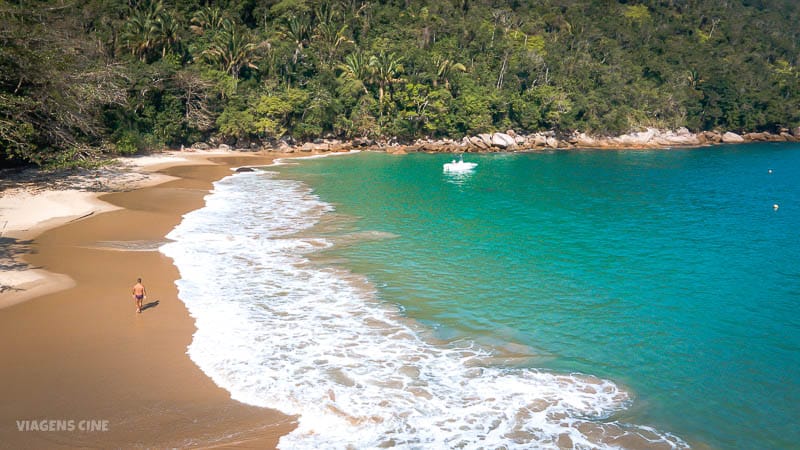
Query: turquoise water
point(668, 272)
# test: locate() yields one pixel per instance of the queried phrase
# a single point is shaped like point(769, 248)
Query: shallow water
point(593, 298)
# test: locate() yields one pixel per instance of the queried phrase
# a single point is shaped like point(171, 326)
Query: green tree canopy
point(113, 77)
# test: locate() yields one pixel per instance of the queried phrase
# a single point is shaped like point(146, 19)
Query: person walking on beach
point(139, 294)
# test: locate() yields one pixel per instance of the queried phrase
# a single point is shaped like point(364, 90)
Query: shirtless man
point(139, 294)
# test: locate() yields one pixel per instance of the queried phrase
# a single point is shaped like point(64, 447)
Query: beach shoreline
point(35, 202)
point(147, 394)
point(76, 350)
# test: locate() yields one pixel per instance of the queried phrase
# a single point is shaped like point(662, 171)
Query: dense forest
point(79, 79)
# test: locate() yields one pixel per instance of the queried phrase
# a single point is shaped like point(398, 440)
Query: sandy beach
point(76, 355)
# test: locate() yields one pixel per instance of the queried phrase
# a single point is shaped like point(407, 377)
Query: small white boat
point(459, 166)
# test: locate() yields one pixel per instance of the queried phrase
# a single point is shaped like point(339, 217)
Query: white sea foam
point(278, 331)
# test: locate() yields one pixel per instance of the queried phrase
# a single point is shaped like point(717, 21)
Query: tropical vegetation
point(80, 79)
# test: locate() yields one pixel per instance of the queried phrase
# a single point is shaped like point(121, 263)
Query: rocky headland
point(511, 141)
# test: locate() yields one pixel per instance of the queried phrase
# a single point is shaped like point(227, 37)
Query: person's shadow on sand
point(150, 305)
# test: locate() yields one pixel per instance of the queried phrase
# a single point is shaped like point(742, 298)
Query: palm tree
point(444, 67)
point(330, 37)
point(386, 68)
point(297, 30)
point(330, 31)
point(141, 31)
point(232, 50)
point(693, 78)
point(356, 68)
point(168, 32)
point(209, 19)
point(149, 28)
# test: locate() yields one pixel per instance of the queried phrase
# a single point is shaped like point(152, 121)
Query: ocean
point(566, 299)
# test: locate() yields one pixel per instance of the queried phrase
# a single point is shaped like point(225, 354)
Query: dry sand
point(79, 352)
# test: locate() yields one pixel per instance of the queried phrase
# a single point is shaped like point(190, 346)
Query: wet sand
point(84, 354)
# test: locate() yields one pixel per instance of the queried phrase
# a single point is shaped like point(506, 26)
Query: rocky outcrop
point(537, 140)
point(584, 140)
point(754, 137)
point(312, 147)
point(324, 146)
point(710, 137)
point(639, 138)
point(478, 143)
point(732, 138)
point(363, 142)
point(678, 138)
point(649, 138)
point(245, 144)
point(514, 141)
point(503, 141)
point(486, 138)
